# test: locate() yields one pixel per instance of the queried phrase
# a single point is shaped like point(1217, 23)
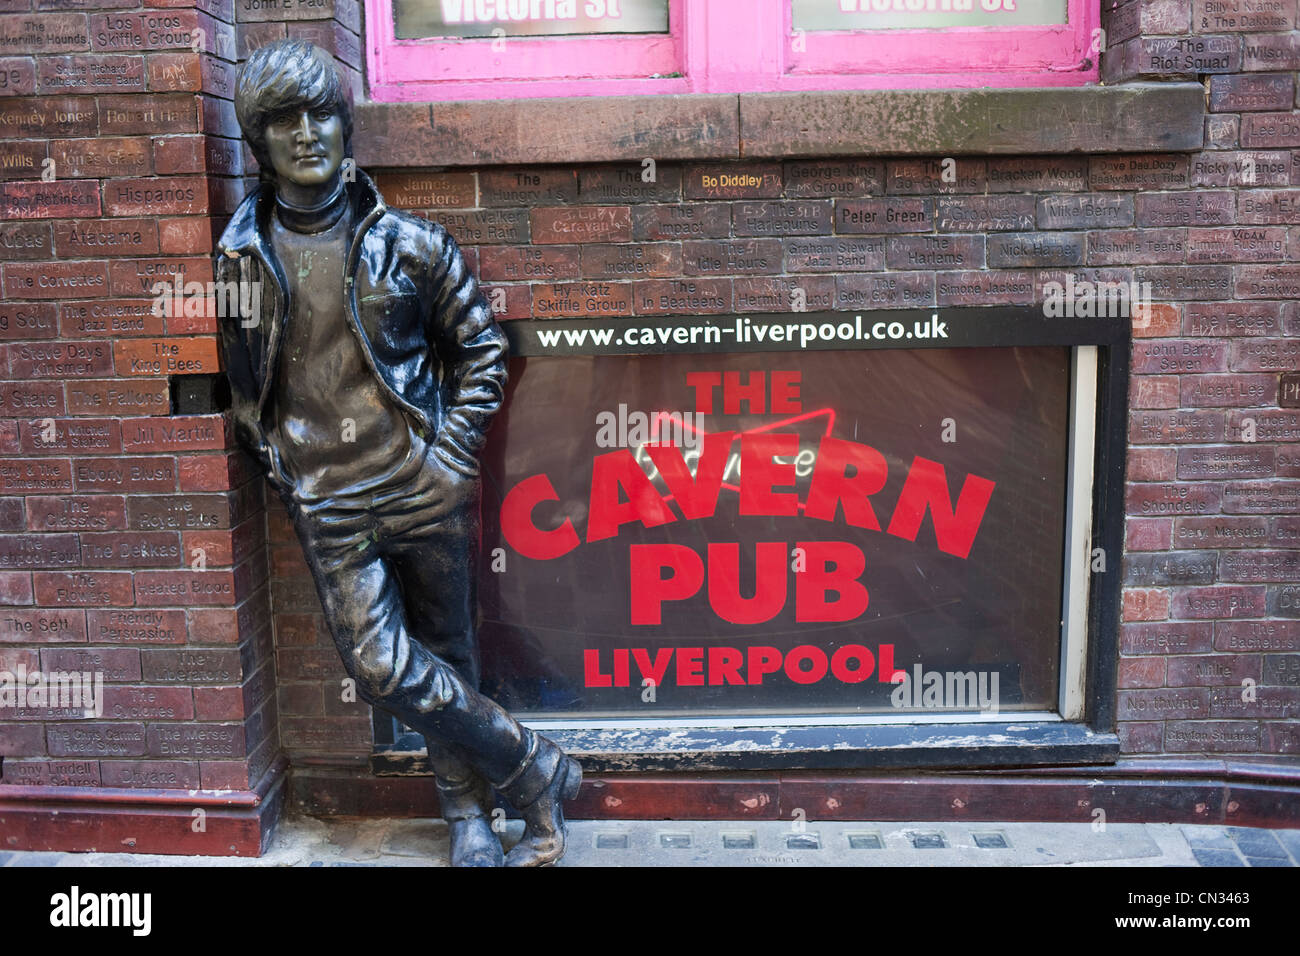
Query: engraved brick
point(740, 257)
point(420, 190)
point(985, 288)
point(906, 290)
point(791, 218)
point(196, 741)
point(561, 224)
point(1136, 246)
point(155, 30)
point(784, 294)
point(632, 261)
point(854, 216)
point(1169, 568)
point(118, 397)
point(1227, 461)
point(984, 213)
point(24, 159)
point(60, 359)
point(1222, 131)
point(1268, 207)
point(518, 263)
point(175, 356)
point(1271, 51)
point(1084, 211)
point(1243, 15)
point(627, 183)
point(1190, 208)
point(83, 588)
point(1040, 174)
point(1164, 703)
point(76, 512)
point(86, 73)
point(1219, 603)
point(33, 33)
point(125, 474)
point(1147, 534)
point(1242, 168)
point(1241, 244)
point(688, 221)
point(106, 237)
point(831, 179)
point(1268, 281)
point(734, 181)
point(39, 551)
point(179, 512)
point(51, 773)
point(161, 588)
point(17, 74)
point(1289, 390)
point(1200, 391)
point(1261, 497)
point(1186, 282)
point(31, 398)
point(1166, 638)
point(682, 296)
point(53, 200)
point(484, 226)
point(582, 300)
point(151, 774)
point(142, 626)
point(25, 475)
point(835, 254)
point(140, 550)
point(527, 187)
point(1211, 736)
point(115, 664)
point(933, 176)
point(1176, 56)
point(1156, 171)
point(191, 666)
point(1275, 702)
point(76, 435)
point(1029, 249)
point(1257, 636)
point(1282, 670)
point(1245, 93)
point(28, 320)
point(1232, 318)
point(1172, 500)
point(1266, 425)
point(54, 280)
point(179, 433)
point(935, 252)
point(1260, 566)
point(26, 240)
point(42, 626)
point(167, 196)
point(141, 115)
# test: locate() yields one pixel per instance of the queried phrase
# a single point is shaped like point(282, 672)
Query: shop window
point(708, 530)
point(480, 49)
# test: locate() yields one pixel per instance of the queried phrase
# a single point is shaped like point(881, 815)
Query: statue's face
point(306, 147)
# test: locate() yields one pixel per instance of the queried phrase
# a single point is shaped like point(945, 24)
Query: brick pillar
point(132, 534)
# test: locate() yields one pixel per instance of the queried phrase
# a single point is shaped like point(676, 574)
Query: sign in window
point(527, 18)
point(825, 15)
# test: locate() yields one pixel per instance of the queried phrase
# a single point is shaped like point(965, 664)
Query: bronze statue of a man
point(365, 368)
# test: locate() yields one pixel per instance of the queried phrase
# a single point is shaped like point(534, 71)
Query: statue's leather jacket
point(425, 330)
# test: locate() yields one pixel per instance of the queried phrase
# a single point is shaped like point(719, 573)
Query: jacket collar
point(247, 231)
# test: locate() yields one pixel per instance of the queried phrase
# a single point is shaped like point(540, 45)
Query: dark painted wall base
point(1145, 790)
point(104, 820)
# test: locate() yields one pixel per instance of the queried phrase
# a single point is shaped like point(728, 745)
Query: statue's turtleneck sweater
point(312, 219)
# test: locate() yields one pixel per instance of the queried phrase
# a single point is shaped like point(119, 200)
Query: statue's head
point(294, 114)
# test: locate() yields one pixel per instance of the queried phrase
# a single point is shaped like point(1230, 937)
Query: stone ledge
point(1140, 117)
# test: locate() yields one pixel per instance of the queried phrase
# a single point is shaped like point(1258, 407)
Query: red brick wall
point(1211, 558)
point(132, 539)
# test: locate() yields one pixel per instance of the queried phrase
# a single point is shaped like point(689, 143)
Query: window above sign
point(499, 49)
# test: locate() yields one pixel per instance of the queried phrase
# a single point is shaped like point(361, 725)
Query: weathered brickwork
point(132, 535)
point(135, 541)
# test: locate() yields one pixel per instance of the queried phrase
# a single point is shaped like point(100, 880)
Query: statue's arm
point(473, 351)
point(230, 276)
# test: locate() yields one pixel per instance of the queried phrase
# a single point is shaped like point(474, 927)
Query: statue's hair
point(286, 76)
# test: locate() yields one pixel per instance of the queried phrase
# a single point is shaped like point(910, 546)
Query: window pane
point(923, 14)
point(721, 602)
point(527, 18)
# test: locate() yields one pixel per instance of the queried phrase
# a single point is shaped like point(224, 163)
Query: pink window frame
point(727, 46)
